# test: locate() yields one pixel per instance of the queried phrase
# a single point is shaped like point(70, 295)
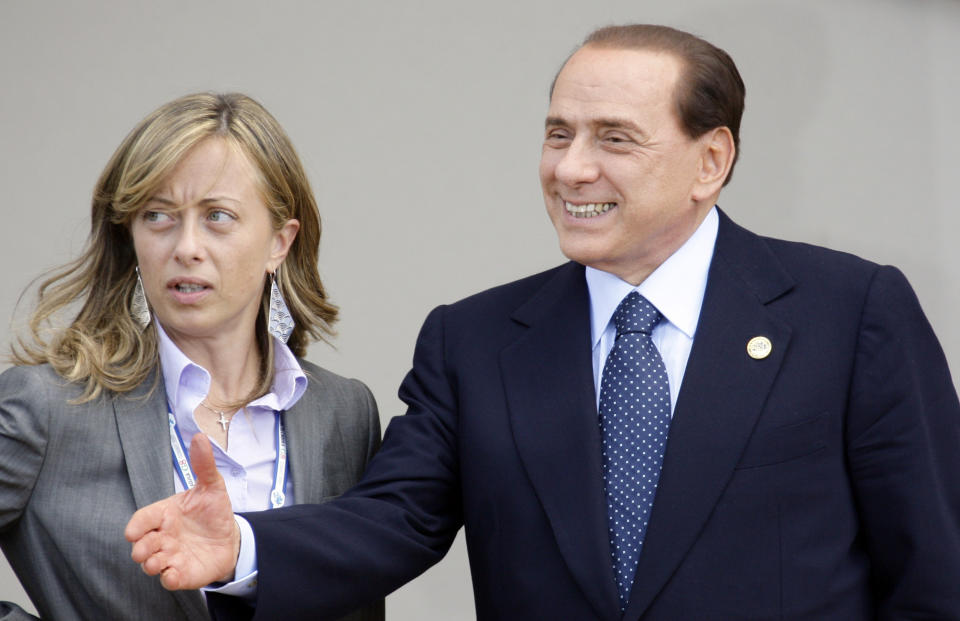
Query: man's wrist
point(236, 541)
point(243, 582)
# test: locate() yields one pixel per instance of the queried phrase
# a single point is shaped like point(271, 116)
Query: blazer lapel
point(144, 434)
point(141, 417)
point(305, 433)
point(723, 392)
point(548, 380)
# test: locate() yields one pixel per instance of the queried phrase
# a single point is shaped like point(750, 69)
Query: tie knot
point(636, 314)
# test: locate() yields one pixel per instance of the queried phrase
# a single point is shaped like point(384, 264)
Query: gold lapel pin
point(759, 347)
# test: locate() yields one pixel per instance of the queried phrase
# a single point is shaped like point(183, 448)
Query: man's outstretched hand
point(191, 538)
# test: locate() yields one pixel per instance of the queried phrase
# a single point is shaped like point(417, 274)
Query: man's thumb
point(202, 462)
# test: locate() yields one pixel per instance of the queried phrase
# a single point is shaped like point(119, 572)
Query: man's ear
point(716, 158)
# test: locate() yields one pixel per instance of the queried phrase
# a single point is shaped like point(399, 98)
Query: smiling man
point(624, 183)
point(687, 421)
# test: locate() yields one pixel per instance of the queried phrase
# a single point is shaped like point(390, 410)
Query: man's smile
point(587, 210)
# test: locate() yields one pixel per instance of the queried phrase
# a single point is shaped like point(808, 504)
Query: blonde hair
point(102, 347)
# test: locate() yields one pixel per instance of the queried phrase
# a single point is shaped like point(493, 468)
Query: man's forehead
point(613, 87)
point(604, 65)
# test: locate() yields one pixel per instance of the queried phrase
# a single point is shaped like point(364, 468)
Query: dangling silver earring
point(138, 304)
point(279, 322)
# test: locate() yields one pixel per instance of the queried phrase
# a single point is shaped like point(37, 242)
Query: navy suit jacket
point(821, 482)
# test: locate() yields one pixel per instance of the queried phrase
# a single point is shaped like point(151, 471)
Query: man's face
point(619, 175)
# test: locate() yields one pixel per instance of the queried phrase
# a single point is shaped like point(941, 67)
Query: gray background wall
point(420, 125)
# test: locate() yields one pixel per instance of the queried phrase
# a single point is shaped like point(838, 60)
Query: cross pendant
point(223, 421)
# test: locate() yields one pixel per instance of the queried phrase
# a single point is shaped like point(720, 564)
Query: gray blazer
point(72, 475)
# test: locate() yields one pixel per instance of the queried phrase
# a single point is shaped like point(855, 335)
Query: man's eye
point(616, 138)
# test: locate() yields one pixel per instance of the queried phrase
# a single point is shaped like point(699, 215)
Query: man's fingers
point(155, 564)
point(167, 563)
point(170, 579)
point(162, 564)
point(176, 538)
point(146, 547)
point(144, 521)
point(201, 459)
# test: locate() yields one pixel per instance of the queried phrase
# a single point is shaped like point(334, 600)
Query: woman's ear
point(282, 240)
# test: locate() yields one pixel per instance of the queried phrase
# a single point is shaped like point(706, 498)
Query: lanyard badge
point(181, 463)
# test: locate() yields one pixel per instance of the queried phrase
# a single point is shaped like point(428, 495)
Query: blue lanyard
point(181, 463)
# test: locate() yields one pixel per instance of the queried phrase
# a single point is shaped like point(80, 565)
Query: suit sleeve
point(903, 447)
point(319, 562)
point(23, 438)
point(23, 443)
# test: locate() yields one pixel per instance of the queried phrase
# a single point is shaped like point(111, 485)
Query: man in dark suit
point(779, 439)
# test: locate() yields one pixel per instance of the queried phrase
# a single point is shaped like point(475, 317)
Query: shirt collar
point(675, 288)
point(289, 380)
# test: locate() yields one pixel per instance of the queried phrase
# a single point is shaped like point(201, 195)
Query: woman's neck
point(233, 364)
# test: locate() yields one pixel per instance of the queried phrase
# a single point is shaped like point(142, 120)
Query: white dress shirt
point(675, 289)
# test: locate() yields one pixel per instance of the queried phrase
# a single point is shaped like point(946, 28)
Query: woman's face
point(205, 243)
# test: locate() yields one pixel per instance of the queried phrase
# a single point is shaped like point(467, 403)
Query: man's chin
point(590, 255)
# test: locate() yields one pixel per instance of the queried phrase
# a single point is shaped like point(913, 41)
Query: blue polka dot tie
point(634, 419)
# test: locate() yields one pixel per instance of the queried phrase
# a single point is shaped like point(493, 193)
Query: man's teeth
point(589, 210)
point(189, 288)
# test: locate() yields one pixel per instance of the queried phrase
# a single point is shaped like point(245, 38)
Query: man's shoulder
point(495, 311)
point(806, 258)
point(513, 294)
point(801, 260)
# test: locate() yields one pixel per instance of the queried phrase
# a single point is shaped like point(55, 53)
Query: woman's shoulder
point(35, 379)
point(36, 388)
point(312, 370)
point(29, 394)
point(331, 383)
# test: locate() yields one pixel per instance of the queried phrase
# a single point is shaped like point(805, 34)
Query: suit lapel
point(141, 417)
point(144, 434)
point(720, 401)
point(305, 434)
point(548, 380)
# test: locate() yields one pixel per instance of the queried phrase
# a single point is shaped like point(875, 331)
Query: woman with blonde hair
point(188, 312)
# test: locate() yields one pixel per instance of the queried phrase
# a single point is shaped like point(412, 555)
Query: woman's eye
point(218, 215)
point(151, 215)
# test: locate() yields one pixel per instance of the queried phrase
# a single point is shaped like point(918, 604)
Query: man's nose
point(579, 164)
